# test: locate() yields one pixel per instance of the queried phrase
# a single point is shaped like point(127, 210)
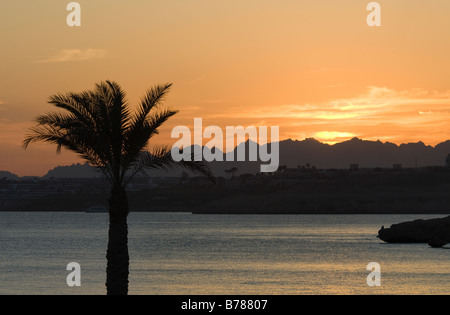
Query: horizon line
point(81, 162)
point(329, 143)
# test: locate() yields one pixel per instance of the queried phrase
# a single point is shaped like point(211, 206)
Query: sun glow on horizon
point(333, 137)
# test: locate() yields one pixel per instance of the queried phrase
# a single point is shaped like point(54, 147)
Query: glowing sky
point(312, 67)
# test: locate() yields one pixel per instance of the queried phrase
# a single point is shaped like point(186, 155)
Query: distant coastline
point(352, 177)
point(289, 191)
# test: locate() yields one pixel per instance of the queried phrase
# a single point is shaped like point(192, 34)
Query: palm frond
point(116, 115)
point(79, 108)
point(161, 159)
point(58, 120)
point(137, 137)
point(151, 100)
point(75, 142)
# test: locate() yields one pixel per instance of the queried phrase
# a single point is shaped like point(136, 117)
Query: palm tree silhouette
point(100, 127)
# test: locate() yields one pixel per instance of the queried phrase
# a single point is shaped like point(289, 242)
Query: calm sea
point(176, 253)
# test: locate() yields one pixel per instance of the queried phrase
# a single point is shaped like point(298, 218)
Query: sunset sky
point(312, 67)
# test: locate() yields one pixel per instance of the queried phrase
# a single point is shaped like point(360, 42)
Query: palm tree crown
point(99, 126)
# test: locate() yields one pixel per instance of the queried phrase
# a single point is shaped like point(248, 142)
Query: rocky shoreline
point(434, 232)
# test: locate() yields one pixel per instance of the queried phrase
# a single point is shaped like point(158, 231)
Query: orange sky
point(312, 67)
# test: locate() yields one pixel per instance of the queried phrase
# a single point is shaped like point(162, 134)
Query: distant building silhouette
point(354, 167)
point(231, 172)
point(397, 167)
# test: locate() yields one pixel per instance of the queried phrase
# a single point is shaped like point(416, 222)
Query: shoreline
point(446, 212)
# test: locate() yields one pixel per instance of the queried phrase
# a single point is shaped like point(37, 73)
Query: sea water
point(182, 253)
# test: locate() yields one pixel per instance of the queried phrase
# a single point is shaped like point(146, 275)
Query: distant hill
point(73, 171)
point(8, 175)
point(294, 153)
point(367, 154)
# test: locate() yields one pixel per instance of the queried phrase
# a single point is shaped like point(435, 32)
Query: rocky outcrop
point(435, 232)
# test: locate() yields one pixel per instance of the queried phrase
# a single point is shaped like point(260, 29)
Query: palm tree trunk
point(118, 261)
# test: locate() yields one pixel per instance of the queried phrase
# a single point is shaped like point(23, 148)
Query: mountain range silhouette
point(309, 152)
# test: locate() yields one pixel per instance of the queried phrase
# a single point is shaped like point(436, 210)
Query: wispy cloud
point(381, 113)
point(376, 103)
point(377, 113)
point(70, 55)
